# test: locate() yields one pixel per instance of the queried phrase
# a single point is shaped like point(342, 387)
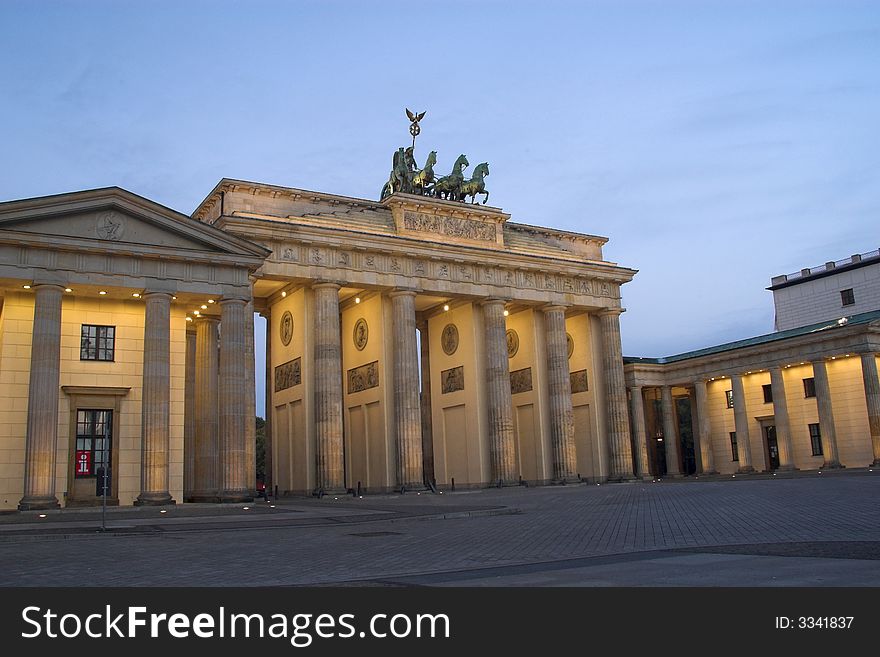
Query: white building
point(830, 291)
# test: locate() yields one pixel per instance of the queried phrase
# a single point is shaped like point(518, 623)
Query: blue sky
point(716, 144)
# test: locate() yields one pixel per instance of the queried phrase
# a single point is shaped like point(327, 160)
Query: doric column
point(670, 433)
point(741, 423)
point(615, 396)
point(250, 411)
point(407, 410)
point(206, 409)
point(42, 416)
point(640, 434)
point(270, 408)
point(427, 426)
point(328, 388)
point(559, 386)
point(826, 415)
point(155, 400)
point(780, 418)
point(499, 403)
point(189, 415)
point(233, 402)
point(704, 427)
point(872, 399)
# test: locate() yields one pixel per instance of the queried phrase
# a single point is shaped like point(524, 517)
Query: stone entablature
point(418, 217)
point(842, 340)
point(432, 270)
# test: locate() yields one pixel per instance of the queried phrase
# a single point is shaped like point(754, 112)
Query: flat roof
point(861, 318)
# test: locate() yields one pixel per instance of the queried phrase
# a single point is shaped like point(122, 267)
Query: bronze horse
point(423, 178)
point(475, 185)
point(451, 185)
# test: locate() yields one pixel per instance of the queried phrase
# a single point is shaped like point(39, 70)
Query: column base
point(154, 499)
point(38, 503)
point(562, 481)
point(833, 465)
point(709, 472)
point(786, 468)
point(337, 492)
point(203, 497)
point(622, 478)
point(745, 470)
point(234, 496)
point(876, 463)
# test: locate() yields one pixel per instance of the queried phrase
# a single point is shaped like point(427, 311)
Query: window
point(847, 298)
point(98, 342)
point(93, 432)
point(816, 440)
point(768, 393)
point(729, 394)
point(734, 450)
point(809, 387)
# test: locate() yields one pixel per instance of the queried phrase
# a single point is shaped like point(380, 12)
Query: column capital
point(227, 300)
point(207, 318)
point(636, 387)
point(611, 311)
point(320, 284)
point(38, 283)
point(156, 294)
point(493, 301)
point(403, 292)
point(553, 307)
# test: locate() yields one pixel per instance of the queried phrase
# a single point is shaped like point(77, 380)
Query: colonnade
point(499, 408)
point(781, 419)
point(221, 414)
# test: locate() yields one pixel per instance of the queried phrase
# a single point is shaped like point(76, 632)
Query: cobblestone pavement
point(810, 529)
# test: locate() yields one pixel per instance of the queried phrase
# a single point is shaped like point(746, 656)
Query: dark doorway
point(686, 435)
point(92, 457)
point(771, 446)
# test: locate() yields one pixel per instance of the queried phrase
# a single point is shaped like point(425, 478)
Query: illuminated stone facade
point(126, 347)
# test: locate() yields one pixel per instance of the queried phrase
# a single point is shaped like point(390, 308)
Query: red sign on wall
point(83, 462)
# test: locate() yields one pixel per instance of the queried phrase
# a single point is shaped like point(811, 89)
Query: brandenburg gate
point(421, 340)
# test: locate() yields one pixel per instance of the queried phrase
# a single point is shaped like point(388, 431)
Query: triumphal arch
point(424, 340)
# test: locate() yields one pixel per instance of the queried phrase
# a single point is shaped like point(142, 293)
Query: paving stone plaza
point(760, 530)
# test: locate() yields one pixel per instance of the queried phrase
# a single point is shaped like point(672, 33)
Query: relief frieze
point(363, 377)
point(288, 374)
point(449, 226)
point(453, 270)
point(521, 381)
point(452, 380)
point(579, 381)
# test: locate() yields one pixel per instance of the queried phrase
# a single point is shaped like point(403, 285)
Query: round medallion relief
point(449, 339)
point(512, 343)
point(360, 334)
point(570, 343)
point(110, 226)
point(286, 328)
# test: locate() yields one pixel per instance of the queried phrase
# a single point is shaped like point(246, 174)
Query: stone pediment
point(447, 221)
point(116, 220)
